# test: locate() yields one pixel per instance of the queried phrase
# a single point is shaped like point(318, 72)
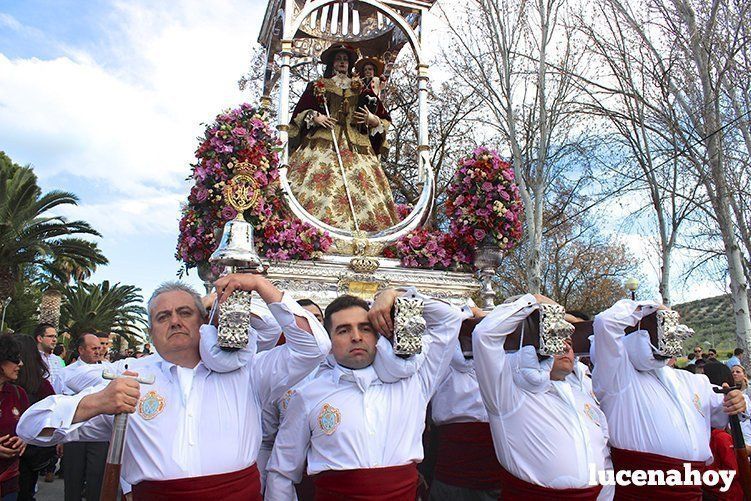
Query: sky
point(106, 98)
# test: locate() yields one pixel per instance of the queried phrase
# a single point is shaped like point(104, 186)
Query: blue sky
point(105, 99)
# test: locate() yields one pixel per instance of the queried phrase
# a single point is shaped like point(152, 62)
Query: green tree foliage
point(32, 235)
point(90, 308)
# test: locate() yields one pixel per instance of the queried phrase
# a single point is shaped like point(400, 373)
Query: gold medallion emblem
point(150, 405)
point(329, 419)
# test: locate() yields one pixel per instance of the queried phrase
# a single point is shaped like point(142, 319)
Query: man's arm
point(285, 467)
point(491, 361)
point(85, 416)
point(613, 370)
point(442, 322)
point(307, 344)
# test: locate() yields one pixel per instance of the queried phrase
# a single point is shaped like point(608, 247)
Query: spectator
point(740, 378)
point(735, 359)
point(691, 359)
point(697, 352)
point(13, 403)
point(720, 442)
point(699, 365)
point(61, 352)
point(712, 354)
point(46, 339)
point(33, 379)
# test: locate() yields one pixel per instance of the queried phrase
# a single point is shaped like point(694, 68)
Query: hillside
point(712, 319)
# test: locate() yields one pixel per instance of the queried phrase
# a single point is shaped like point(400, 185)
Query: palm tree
point(30, 235)
point(90, 308)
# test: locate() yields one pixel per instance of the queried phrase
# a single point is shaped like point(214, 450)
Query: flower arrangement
point(240, 139)
point(482, 201)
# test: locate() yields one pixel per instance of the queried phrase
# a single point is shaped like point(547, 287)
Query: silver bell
point(236, 247)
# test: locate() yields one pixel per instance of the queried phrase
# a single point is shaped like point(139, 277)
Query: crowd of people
point(318, 407)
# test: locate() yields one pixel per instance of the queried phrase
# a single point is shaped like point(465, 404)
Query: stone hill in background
point(712, 319)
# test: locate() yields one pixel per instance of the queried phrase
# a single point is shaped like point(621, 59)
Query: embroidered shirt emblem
point(150, 405)
point(329, 419)
point(284, 401)
point(697, 404)
point(590, 413)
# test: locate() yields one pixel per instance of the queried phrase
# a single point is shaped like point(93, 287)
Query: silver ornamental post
point(237, 251)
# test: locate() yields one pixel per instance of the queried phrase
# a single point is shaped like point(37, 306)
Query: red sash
point(466, 457)
point(513, 488)
point(395, 483)
point(624, 459)
point(243, 485)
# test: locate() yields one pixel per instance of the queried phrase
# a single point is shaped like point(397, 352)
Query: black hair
point(579, 314)
point(40, 328)
point(308, 302)
point(738, 351)
point(34, 370)
point(10, 350)
point(58, 350)
point(342, 303)
point(718, 373)
point(712, 349)
point(102, 335)
point(691, 356)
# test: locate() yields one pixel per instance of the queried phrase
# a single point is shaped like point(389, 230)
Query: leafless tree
point(519, 57)
point(630, 92)
point(694, 45)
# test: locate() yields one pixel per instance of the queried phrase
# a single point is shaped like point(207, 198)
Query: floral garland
point(481, 201)
point(239, 136)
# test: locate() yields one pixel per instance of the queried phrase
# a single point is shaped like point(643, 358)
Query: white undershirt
point(185, 375)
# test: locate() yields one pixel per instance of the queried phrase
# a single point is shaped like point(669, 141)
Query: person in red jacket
point(13, 403)
point(721, 443)
point(34, 379)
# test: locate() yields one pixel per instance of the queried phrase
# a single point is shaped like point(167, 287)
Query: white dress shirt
point(349, 419)
point(457, 399)
point(55, 365)
point(660, 411)
point(210, 426)
point(545, 432)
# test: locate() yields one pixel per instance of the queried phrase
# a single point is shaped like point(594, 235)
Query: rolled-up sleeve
point(287, 462)
point(613, 371)
point(56, 412)
point(494, 376)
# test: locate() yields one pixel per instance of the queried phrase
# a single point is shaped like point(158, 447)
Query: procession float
point(299, 193)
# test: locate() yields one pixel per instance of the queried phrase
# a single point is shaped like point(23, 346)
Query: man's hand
point(734, 402)
point(544, 299)
point(249, 282)
point(380, 313)
point(59, 450)
point(119, 397)
point(228, 284)
point(324, 121)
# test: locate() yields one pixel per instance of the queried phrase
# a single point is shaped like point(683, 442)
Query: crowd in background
point(32, 368)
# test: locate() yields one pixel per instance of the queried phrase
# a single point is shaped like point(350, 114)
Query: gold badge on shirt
point(284, 401)
point(697, 404)
point(151, 405)
point(329, 419)
point(590, 413)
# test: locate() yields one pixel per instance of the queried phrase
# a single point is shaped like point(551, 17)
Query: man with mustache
point(547, 427)
point(194, 433)
point(359, 434)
